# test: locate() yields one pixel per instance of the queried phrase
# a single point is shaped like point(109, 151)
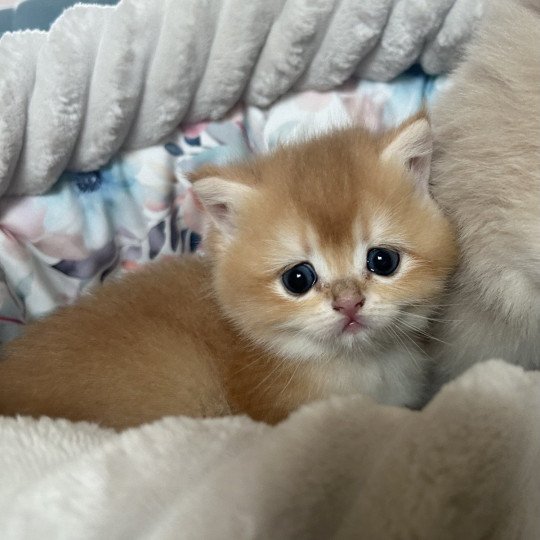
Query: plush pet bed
point(466, 467)
point(100, 119)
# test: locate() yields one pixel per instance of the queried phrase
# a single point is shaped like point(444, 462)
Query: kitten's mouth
point(353, 326)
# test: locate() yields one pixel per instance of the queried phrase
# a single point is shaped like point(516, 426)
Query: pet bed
point(92, 169)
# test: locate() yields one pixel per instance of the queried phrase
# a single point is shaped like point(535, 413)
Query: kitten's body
point(220, 334)
point(486, 175)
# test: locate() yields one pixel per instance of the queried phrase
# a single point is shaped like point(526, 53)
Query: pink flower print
point(365, 110)
point(23, 218)
point(191, 131)
point(130, 266)
point(63, 246)
point(313, 101)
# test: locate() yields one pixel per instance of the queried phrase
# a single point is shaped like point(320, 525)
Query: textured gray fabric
point(110, 78)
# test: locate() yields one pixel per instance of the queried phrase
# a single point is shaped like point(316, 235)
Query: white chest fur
point(393, 377)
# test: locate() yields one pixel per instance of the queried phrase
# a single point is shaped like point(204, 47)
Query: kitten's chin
point(351, 342)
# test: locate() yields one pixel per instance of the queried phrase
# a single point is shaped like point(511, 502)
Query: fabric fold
point(111, 78)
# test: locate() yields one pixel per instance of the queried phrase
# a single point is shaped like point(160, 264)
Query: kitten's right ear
point(221, 200)
point(411, 147)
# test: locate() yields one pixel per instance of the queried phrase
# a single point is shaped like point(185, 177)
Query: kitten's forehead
point(298, 239)
point(332, 199)
point(334, 185)
point(332, 259)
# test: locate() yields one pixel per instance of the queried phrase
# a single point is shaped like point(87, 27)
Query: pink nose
point(349, 305)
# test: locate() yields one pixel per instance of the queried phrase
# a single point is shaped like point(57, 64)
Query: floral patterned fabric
point(96, 224)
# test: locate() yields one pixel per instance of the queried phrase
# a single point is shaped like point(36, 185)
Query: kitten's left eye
point(299, 279)
point(382, 261)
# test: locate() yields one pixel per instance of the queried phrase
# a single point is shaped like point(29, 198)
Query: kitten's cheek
point(376, 320)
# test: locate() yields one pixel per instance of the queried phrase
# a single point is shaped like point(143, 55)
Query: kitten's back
point(114, 357)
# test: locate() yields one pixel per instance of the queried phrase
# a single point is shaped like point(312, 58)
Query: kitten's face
point(331, 249)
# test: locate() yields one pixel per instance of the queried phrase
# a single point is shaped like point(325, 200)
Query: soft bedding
point(95, 224)
point(110, 78)
point(466, 467)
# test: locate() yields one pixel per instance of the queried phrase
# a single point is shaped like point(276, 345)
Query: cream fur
point(486, 175)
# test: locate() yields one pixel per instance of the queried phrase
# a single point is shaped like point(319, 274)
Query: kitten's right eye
point(299, 279)
point(382, 261)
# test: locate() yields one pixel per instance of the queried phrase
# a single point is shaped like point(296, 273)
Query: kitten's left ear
point(221, 200)
point(412, 147)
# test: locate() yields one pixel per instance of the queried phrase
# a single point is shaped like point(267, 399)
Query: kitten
point(323, 261)
point(486, 176)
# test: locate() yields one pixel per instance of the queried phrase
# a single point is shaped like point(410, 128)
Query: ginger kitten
point(323, 263)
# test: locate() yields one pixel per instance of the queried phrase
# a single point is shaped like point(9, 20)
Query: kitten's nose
point(349, 305)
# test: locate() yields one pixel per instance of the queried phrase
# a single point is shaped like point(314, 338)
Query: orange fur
point(215, 335)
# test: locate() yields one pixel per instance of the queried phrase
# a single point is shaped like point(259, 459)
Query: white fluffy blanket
point(467, 466)
point(123, 77)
